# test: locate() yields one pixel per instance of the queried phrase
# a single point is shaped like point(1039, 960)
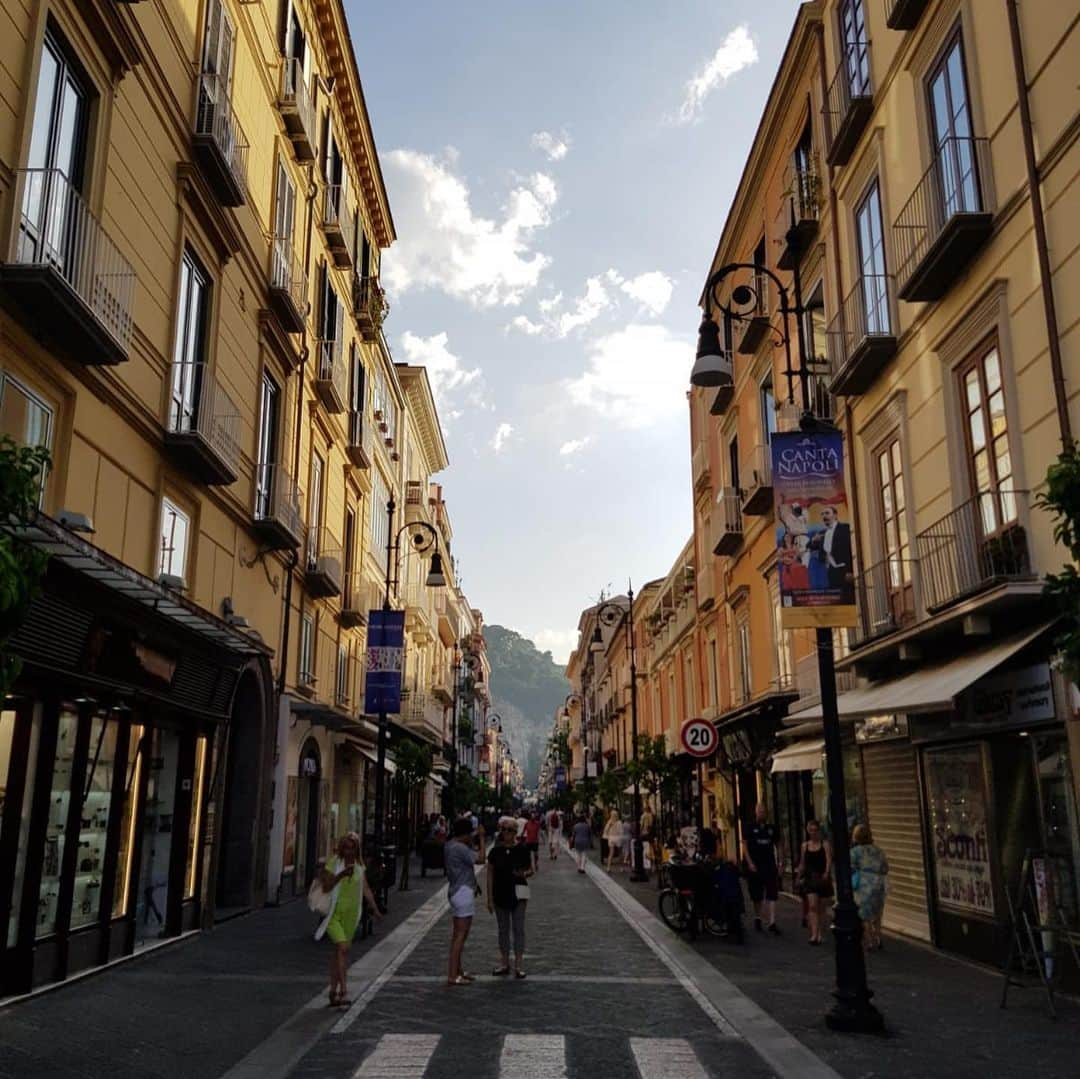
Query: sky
point(559, 172)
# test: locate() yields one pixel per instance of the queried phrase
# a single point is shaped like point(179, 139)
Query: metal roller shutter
point(894, 807)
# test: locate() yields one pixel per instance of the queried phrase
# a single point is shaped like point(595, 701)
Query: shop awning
point(804, 756)
point(928, 689)
point(372, 756)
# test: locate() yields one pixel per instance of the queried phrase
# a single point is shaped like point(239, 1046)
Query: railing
point(699, 465)
point(727, 517)
point(199, 405)
point(287, 273)
point(822, 401)
point(342, 696)
point(979, 544)
point(955, 183)
point(277, 498)
point(886, 598)
point(806, 191)
point(868, 311)
point(756, 469)
point(215, 118)
point(354, 592)
point(332, 367)
point(360, 434)
point(851, 83)
point(369, 303)
point(414, 493)
point(57, 230)
point(323, 548)
point(295, 94)
point(336, 214)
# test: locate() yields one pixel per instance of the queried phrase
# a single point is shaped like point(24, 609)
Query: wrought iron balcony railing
point(848, 103)
point(361, 440)
point(726, 522)
point(296, 109)
point(862, 337)
point(277, 514)
point(323, 564)
point(756, 476)
point(203, 424)
point(288, 285)
point(331, 377)
point(886, 598)
point(338, 225)
point(369, 306)
point(219, 140)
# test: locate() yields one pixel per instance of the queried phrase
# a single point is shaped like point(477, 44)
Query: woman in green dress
point(348, 886)
point(869, 867)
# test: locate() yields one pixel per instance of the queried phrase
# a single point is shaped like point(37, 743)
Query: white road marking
point(666, 1058)
point(586, 979)
point(399, 1056)
point(533, 1056)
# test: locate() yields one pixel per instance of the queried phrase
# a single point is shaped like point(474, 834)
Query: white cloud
point(526, 325)
point(450, 379)
point(559, 642)
point(736, 52)
point(652, 290)
point(555, 146)
point(502, 434)
point(574, 445)
point(445, 245)
point(635, 376)
point(549, 304)
point(588, 306)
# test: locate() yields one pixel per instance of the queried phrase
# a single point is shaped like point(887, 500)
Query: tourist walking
point(761, 854)
point(347, 886)
point(869, 867)
point(613, 835)
point(532, 840)
point(508, 870)
point(554, 824)
point(813, 878)
point(647, 825)
point(461, 859)
point(581, 841)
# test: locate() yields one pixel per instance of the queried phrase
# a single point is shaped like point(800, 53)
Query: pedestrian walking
point(647, 827)
point(462, 858)
point(532, 840)
point(628, 843)
point(508, 870)
point(813, 878)
point(347, 885)
point(554, 823)
point(581, 841)
point(613, 834)
point(761, 854)
point(869, 868)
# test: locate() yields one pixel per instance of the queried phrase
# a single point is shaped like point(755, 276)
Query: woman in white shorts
point(460, 858)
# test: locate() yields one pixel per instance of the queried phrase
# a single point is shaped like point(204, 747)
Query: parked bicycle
point(704, 895)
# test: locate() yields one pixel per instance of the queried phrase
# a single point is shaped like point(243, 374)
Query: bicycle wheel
point(714, 926)
point(673, 910)
point(663, 876)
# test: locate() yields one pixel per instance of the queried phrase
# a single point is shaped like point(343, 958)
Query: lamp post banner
point(385, 656)
point(813, 530)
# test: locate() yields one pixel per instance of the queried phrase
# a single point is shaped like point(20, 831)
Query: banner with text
point(385, 660)
point(813, 533)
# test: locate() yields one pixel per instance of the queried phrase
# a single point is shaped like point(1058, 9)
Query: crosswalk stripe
point(533, 1056)
point(666, 1058)
point(399, 1056)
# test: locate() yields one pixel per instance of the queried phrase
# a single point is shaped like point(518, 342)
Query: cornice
point(109, 23)
point(218, 224)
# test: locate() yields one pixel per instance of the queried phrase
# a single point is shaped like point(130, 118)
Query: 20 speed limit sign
point(699, 738)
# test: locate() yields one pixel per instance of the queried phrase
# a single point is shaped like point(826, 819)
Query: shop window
point(175, 525)
point(25, 416)
point(94, 821)
point(56, 837)
point(132, 776)
point(307, 650)
point(8, 720)
point(195, 822)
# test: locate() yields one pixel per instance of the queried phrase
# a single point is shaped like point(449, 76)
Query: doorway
point(307, 817)
point(152, 888)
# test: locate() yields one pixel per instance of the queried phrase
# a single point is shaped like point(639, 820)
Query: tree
point(413, 768)
point(656, 772)
point(1061, 500)
point(609, 787)
point(22, 566)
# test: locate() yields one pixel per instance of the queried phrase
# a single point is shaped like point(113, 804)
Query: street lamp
point(609, 614)
point(424, 538)
point(853, 1010)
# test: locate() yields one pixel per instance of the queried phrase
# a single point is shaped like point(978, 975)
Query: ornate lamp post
point(609, 614)
point(853, 1010)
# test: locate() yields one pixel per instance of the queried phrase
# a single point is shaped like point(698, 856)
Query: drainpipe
point(1039, 220)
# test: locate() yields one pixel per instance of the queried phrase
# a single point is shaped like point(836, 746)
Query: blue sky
point(559, 173)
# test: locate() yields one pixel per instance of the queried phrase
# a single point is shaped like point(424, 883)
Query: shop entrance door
point(307, 822)
point(152, 887)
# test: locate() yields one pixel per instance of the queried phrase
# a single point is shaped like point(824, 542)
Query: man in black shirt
point(761, 852)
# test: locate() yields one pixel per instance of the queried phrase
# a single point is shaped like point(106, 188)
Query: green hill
point(527, 686)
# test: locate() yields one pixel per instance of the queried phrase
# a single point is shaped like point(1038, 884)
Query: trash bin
point(432, 856)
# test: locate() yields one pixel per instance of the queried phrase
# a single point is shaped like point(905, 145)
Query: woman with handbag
point(508, 870)
point(814, 875)
point(337, 894)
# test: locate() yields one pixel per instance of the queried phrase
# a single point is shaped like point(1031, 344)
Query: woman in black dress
point(814, 875)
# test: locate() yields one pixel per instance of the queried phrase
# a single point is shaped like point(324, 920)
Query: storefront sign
point(385, 659)
point(880, 729)
point(1023, 696)
point(955, 789)
point(813, 535)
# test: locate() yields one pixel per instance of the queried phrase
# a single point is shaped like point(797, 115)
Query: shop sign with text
point(385, 658)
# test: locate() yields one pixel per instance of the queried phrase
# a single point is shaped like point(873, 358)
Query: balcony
point(756, 475)
point(64, 278)
point(355, 600)
point(725, 393)
point(726, 522)
point(976, 547)
point(753, 324)
point(369, 307)
point(806, 204)
point(203, 429)
point(886, 599)
point(296, 110)
point(904, 14)
point(331, 377)
point(322, 567)
point(277, 517)
point(862, 337)
point(822, 399)
point(219, 141)
point(360, 447)
point(338, 225)
point(945, 222)
point(849, 103)
point(699, 466)
point(417, 598)
point(416, 502)
point(705, 585)
point(288, 285)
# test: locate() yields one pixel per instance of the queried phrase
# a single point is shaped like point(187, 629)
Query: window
point(347, 554)
point(356, 396)
point(744, 684)
point(870, 234)
point(673, 709)
point(269, 410)
point(188, 349)
point(379, 532)
point(307, 650)
point(892, 509)
point(342, 686)
point(987, 435)
point(175, 525)
point(733, 462)
point(714, 675)
point(768, 410)
point(689, 696)
point(331, 310)
point(24, 416)
point(950, 119)
point(785, 666)
point(853, 42)
point(315, 509)
point(284, 220)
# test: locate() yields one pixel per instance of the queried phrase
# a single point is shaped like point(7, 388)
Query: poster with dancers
point(813, 532)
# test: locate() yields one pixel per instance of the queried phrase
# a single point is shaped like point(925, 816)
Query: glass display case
point(56, 838)
point(94, 822)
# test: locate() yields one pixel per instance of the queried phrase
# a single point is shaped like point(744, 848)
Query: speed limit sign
point(699, 738)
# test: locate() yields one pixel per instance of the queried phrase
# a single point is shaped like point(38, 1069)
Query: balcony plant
point(1061, 499)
